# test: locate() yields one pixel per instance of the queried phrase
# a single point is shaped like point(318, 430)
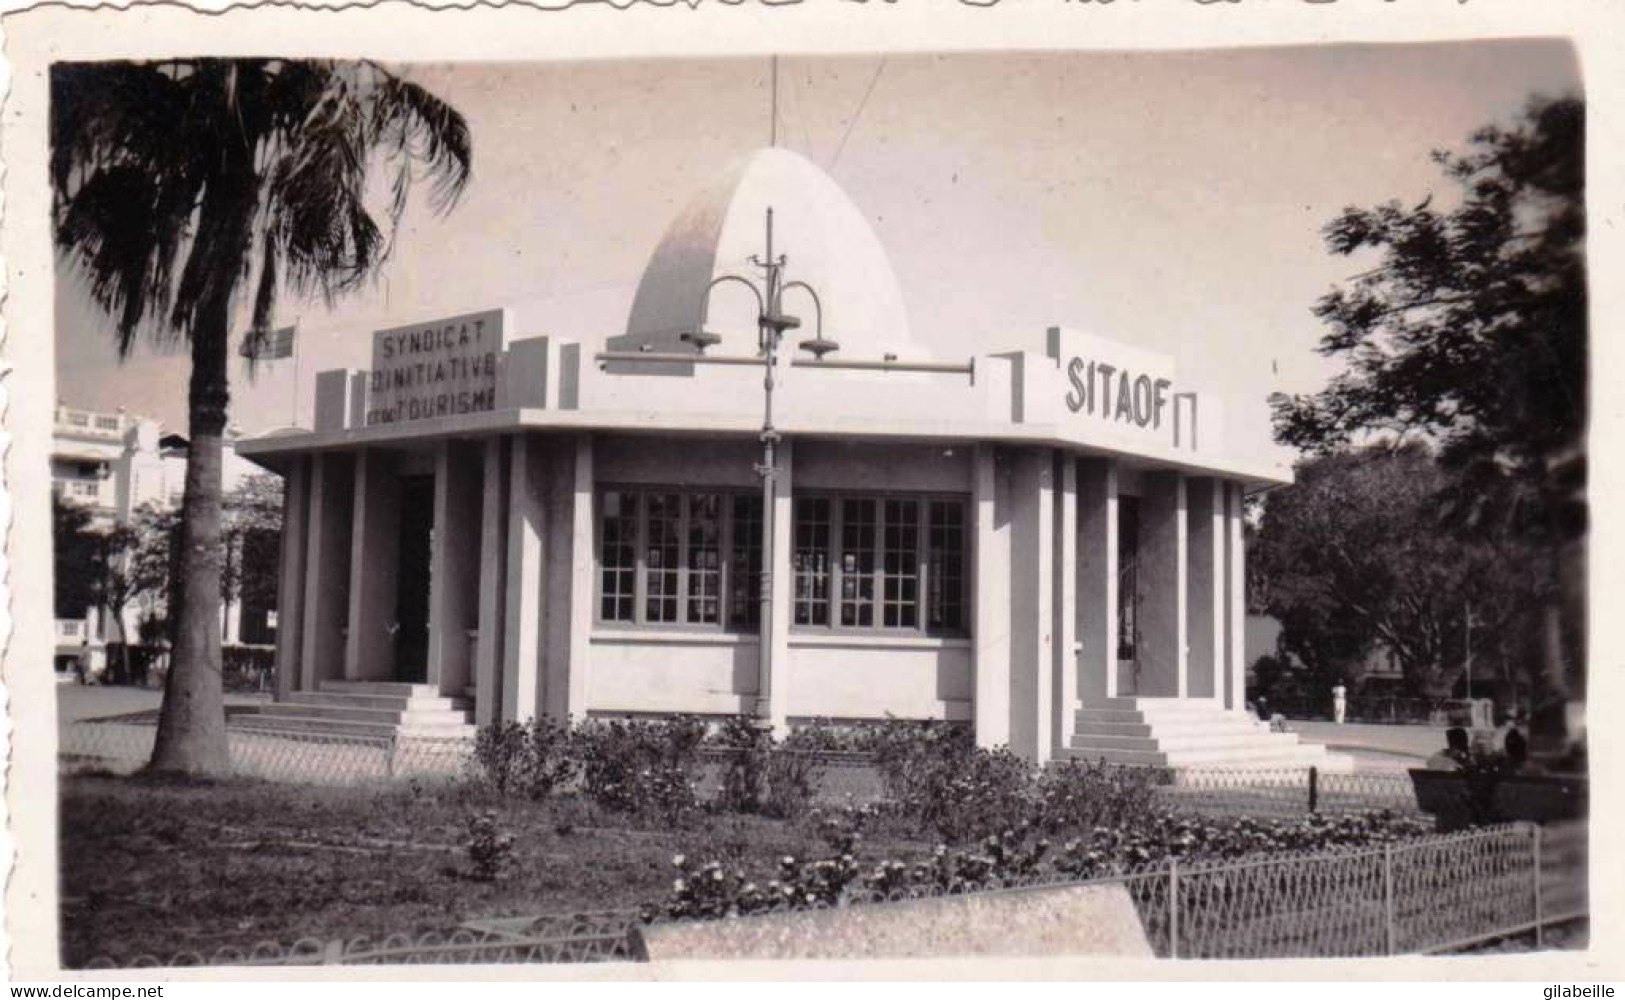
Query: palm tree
point(174, 183)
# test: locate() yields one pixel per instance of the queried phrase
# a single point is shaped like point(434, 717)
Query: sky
point(1173, 201)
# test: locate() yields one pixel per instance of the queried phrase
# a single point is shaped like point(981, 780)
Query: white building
point(1043, 541)
point(113, 464)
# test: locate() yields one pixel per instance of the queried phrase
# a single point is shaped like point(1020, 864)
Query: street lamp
point(771, 323)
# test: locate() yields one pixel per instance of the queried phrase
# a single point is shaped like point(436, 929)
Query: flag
point(273, 346)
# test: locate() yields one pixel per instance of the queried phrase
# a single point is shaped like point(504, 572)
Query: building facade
point(1035, 541)
point(111, 465)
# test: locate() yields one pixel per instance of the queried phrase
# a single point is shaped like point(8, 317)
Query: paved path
point(78, 702)
point(1375, 747)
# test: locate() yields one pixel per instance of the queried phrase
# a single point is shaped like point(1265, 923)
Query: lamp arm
point(818, 307)
point(705, 301)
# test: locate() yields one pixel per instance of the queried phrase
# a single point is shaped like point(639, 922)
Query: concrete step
point(1114, 729)
point(385, 716)
point(1172, 742)
point(1090, 716)
point(380, 687)
point(312, 725)
point(1150, 757)
point(389, 701)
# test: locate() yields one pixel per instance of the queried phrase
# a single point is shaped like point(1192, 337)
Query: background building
point(112, 464)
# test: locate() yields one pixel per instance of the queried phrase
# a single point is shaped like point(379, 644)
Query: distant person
point(1263, 707)
point(1455, 754)
point(1340, 703)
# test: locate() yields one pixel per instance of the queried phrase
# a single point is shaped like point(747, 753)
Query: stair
point(372, 709)
point(1190, 732)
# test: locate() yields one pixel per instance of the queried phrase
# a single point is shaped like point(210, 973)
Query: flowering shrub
point(490, 848)
point(942, 782)
point(744, 776)
point(645, 769)
point(1015, 855)
point(1081, 796)
point(532, 759)
point(793, 774)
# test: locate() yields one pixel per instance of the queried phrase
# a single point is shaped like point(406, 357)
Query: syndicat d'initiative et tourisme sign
point(441, 368)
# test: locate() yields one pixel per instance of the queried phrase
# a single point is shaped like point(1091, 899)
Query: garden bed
point(157, 867)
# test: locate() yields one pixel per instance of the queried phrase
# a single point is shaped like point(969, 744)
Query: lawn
point(144, 862)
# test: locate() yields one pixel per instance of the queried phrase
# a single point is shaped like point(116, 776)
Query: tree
point(1470, 331)
point(72, 545)
point(172, 182)
point(1351, 557)
point(252, 526)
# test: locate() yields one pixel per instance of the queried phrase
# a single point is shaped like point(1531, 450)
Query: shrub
point(793, 775)
point(490, 847)
point(645, 769)
point(942, 782)
point(744, 776)
point(1081, 796)
point(532, 759)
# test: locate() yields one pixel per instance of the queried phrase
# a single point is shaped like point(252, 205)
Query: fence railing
point(1284, 791)
point(1421, 896)
point(332, 759)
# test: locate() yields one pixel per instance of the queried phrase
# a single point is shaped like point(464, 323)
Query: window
point(945, 567)
point(879, 563)
point(661, 558)
point(810, 560)
point(745, 563)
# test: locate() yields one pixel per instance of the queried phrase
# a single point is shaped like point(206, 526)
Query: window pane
point(945, 567)
point(900, 572)
point(618, 559)
point(662, 560)
point(745, 563)
point(810, 561)
point(704, 558)
point(858, 558)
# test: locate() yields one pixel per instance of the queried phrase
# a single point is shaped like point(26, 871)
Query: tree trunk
point(192, 724)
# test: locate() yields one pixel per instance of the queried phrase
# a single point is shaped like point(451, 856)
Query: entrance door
point(1128, 595)
point(412, 586)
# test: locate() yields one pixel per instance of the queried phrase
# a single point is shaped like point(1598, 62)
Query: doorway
point(413, 580)
point(1128, 595)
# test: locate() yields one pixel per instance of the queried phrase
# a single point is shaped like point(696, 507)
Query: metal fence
point(1422, 896)
point(1283, 792)
point(308, 758)
point(330, 759)
point(574, 938)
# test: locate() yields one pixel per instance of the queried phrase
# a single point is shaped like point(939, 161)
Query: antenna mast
point(773, 116)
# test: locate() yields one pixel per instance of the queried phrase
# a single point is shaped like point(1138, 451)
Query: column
point(583, 563)
point(1235, 599)
point(1163, 542)
point(290, 604)
point(1205, 622)
point(490, 649)
point(571, 587)
point(369, 646)
point(454, 565)
point(327, 569)
point(1064, 671)
point(777, 685)
point(1097, 580)
point(992, 692)
point(1031, 589)
point(526, 571)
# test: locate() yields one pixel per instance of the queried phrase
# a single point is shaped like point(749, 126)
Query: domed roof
point(827, 243)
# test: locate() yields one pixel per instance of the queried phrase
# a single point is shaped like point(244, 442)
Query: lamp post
point(772, 322)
